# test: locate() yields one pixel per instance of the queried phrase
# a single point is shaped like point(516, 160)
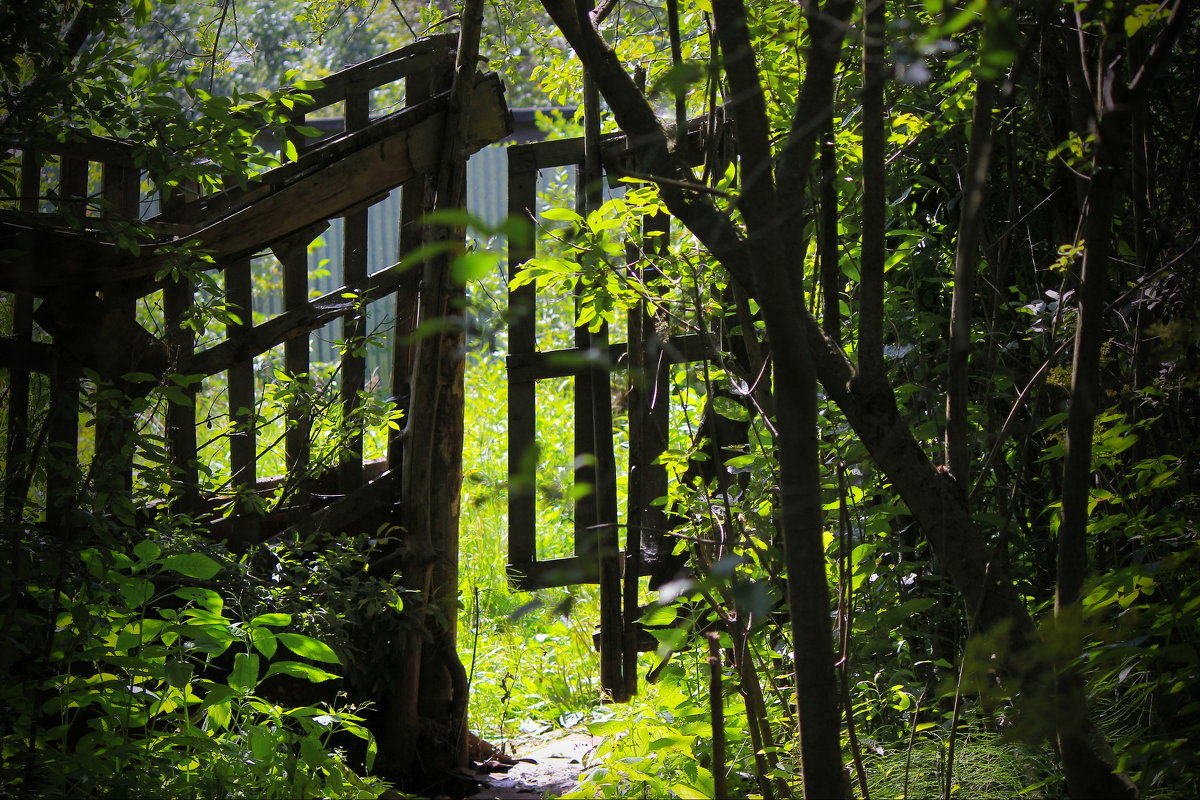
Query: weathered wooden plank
point(324, 184)
point(120, 188)
point(420, 123)
point(649, 416)
point(528, 576)
point(522, 395)
point(84, 146)
point(62, 423)
point(243, 441)
point(354, 323)
point(304, 318)
point(18, 354)
point(21, 358)
point(614, 148)
point(181, 419)
point(599, 409)
point(293, 256)
point(574, 360)
point(399, 64)
point(72, 187)
point(101, 336)
point(62, 445)
point(416, 200)
point(368, 171)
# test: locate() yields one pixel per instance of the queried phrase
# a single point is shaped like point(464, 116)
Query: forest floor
point(546, 767)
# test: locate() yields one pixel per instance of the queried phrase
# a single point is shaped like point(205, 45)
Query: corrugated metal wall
point(487, 199)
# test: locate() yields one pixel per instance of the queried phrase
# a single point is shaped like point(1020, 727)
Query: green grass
point(529, 654)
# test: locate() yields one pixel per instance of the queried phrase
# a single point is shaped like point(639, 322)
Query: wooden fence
point(80, 286)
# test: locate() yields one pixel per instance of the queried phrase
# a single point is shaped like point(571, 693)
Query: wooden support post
point(354, 325)
point(17, 466)
point(522, 395)
point(416, 200)
point(597, 405)
point(292, 254)
point(72, 187)
point(243, 442)
point(649, 411)
point(120, 187)
point(62, 465)
point(181, 419)
point(178, 297)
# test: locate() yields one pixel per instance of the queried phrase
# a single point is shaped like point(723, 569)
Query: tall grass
point(530, 654)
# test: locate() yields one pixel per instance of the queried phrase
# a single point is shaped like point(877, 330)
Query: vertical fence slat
point(243, 443)
point(178, 297)
point(181, 419)
point(114, 426)
point(293, 256)
point(649, 414)
point(354, 325)
point(17, 451)
point(62, 467)
point(72, 188)
point(415, 199)
point(599, 405)
point(522, 340)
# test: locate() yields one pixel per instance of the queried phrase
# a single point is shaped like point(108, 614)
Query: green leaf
point(690, 792)
point(679, 77)
point(309, 647)
point(262, 742)
point(669, 638)
point(179, 673)
point(561, 215)
point(264, 641)
point(730, 409)
point(206, 598)
point(659, 615)
point(312, 752)
point(137, 591)
point(275, 619)
point(219, 715)
point(473, 266)
point(298, 669)
point(244, 676)
point(192, 565)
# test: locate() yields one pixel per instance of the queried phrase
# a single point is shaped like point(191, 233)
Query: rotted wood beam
point(325, 183)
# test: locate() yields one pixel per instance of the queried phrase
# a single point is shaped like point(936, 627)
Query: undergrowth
point(534, 668)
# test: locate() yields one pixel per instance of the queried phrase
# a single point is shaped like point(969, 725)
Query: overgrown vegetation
point(923, 278)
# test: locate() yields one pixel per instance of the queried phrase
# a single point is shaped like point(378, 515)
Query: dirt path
point(547, 768)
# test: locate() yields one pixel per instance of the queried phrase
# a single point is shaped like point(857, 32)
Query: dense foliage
point(969, 173)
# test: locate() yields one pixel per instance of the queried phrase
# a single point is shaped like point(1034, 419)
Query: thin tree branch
point(874, 202)
point(966, 263)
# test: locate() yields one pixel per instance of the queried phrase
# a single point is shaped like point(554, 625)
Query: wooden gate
point(601, 554)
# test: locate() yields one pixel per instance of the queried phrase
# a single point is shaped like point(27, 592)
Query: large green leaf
point(309, 647)
point(192, 565)
point(299, 669)
point(206, 598)
point(264, 641)
point(244, 677)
